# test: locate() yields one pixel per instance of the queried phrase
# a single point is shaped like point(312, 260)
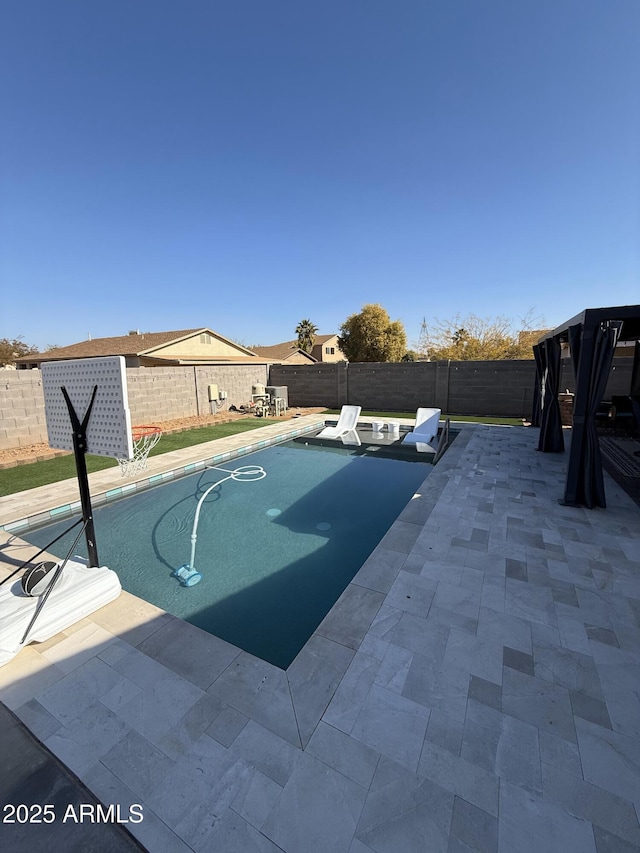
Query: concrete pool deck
point(475, 688)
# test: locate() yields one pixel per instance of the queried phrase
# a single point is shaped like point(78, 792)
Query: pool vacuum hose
point(187, 573)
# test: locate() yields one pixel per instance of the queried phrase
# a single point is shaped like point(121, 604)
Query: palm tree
point(306, 332)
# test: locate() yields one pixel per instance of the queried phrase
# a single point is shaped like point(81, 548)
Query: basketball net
point(144, 438)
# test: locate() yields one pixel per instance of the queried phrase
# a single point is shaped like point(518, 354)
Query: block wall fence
point(486, 388)
point(158, 394)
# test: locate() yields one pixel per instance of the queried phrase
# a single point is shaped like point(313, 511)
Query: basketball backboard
point(109, 427)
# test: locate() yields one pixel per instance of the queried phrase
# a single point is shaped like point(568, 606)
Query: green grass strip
point(411, 415)
point(34, 474)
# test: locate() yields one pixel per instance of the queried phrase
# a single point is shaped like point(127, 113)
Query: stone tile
point(313, 678)
point(384, 623)
point(467, 780)
point(529, 824)
point(444, 688)
point(591, 709)
point(131, 618)
point(73, 651)
point(359, 677)
point(560, 753)
point(606, 842)
point(226, 727)
point(256, 798)
point(26, 676)
point(493, 593)
point(623, 706)
point(474, 827)
point(151, 832)
point(138, 764)
point(517, 660)
point(444, 731)
point(460, 600)
point(232, 834)
point(516, 569)
point(190, 784)
point(198, 718)
point(75, 692)
point(318, 809)
point(350, 617)
point(343, 753)
point(394, 668)
point(411, 593)
point(602, 635)
point(380, 570)
point(405, 812)
point(159, 706)
point(485, 692)
point(261, 692)
point(529, 602)
point(421, 636)
point(569, 668)
point(502, 745)
point(194, 654)
point(87, 738)
point(401, 536)
point(264, 750)
point(610, 760)
point(583, 800)
point(538, 702)
point(120, 694)
point(392, 725)
point(504, 629)
point(37, 719)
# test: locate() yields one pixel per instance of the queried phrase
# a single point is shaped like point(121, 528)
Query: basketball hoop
point(144, 438)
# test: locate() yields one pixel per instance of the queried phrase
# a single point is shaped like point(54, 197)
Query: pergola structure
point(592, 337)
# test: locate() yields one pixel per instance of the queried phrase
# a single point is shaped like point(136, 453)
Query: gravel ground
point(37, 452)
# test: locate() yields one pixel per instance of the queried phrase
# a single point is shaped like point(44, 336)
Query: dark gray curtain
point(551, 440)
point(575, 339)
point(589, 486)
point(535, 409)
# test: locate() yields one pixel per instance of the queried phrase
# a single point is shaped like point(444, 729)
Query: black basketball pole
point(79, 449)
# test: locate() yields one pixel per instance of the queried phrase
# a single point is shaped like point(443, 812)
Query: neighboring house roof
point(283, 352)
point(322, 339)
point(150, 344)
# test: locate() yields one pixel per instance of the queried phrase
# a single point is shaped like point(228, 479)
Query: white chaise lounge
point(426, 427)
point(346, 423)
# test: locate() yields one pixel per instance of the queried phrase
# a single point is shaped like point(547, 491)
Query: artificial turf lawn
point(411, 415)
point(34, 474)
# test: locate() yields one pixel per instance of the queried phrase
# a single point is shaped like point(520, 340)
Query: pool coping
point(23, 524)
point(66, 510)
point(314, 674)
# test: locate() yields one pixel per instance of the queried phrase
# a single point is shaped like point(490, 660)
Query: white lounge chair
point(351, 438)
point(346, 423)
point(426, 427)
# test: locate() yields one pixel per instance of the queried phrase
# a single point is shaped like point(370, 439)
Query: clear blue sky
point(246, 164)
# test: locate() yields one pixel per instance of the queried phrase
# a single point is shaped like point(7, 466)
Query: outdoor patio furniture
point(346, 423)
point(426, 428)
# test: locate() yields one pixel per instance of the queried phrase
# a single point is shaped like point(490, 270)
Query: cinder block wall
point(21, 408)
point(490, 388)
point(158, 394)
point(236, 380)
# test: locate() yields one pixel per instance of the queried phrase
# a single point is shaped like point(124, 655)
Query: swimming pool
point(274, 554)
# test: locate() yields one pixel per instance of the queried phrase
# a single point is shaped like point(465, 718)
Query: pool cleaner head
point(187, 576)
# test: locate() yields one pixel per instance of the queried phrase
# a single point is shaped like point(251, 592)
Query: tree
point(474, 338)
point(372, 336)
point(11, 349)
point(306, 332)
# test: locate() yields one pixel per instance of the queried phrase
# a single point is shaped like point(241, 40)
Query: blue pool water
point(275, 554)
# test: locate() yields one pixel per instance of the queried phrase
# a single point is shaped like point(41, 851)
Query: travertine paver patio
point(476, 688)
